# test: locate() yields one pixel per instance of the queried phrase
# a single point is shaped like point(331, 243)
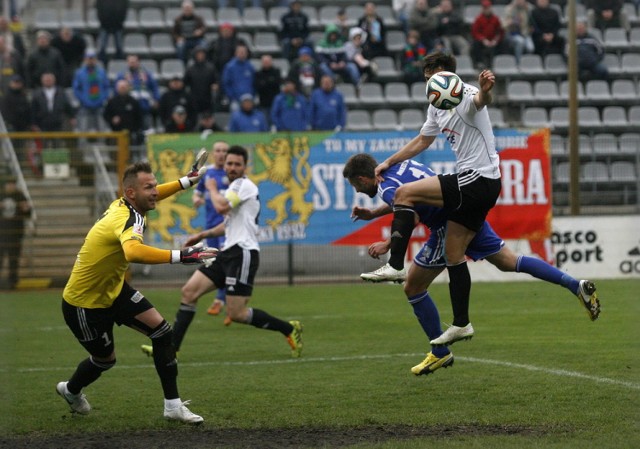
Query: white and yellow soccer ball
point(445, 90)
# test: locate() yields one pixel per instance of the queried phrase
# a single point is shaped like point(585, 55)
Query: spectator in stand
point(44, 59)
point(72, 47)
point(124, 112)
point(267, 83)
point(546, 29)
point(12, 39)
point(328, 109)
point(590, 54)
point(342, 22)
point(422, 20)
point(412, 55)
point(238, 76)
point(202, 81)
point(176, 95)
point(223, 48)
point(188, 31)
point(488, 37)
point(247, 118)
point(111, 15)
point(50, 106)
point(178, 122)
point(333, 58)
point(401, 9)
point(451, 28)
point(290, 110)
point(306, 71)
point(294, 30)
point(208, 124)
point(15, 107)
point(14, 210)
point(354, 50)
point(10, 65)
point(603, 14)
point(240, 4)
point(91, 88)
point(373, 25)
point(144, 88)
point(517, 25)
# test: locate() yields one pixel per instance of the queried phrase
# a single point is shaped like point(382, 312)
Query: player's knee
point(400, 196)
point(103, 364)
point(411, 289)
point(162, 342)
point(188, 295)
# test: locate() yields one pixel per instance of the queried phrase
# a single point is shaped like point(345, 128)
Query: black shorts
point(94, 327)
point(234, 269)
point(470, 203)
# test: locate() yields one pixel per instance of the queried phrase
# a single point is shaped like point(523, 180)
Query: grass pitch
point(537, 374)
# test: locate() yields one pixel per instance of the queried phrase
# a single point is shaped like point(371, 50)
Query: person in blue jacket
point(328, 109)
point(144, 88)
point(290, 109)
point(247, 119)
point(238, 76)
point(91, 89)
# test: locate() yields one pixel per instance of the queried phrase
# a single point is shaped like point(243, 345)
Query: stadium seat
point(630, 64)
point(559, 117)
point(275, 14)
point(92, 20)
point(208, 17)
point(557, 145)
point(623, 171)
point(561, 172)
point(594, 171)
point(161, 44)
point(136, 43)
point(555, 64)
point(386, 68)
point(470, 12)
point(397, 93)
point(497, 118)
point(371, 94)
point(152, 66)
point(248, 39)
point(465, 67)
point(418, 93)
point(131, 22)
point(255, 18)
point(222, 119)
point(73, 19)
point(267, 42)
point(395, 41)
point(564, 90)
point(604, 143)
point(359, 120)
point(312, 14)
point(283, 65)
point(615, 39)
point(151, 18)
point(385, 119)
point(531, 66)
point(46, 19)
point(634, 115)
point(597, 90)
point(615, 116)
point(624, 89)
point(546, 90)
point(634, 38)
point(171, 67)
point(170, 15)
point(629, 143)
point(387, 14)
point(585, 145)
point(353, 13)
point(612, 61)
point(632, 15)
point(230, 15)
point(520, 91)
point(535, 117)
point(115, 66)
point(348, 92)
point(505, 65)
point(589, 117)
point(411, 119)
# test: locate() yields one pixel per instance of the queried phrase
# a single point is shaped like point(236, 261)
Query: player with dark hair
point(236, 265)
point(430, 262)
point(467, 196)
point(97, 296)
point(202, 197)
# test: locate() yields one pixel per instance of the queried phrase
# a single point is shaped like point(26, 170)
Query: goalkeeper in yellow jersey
point(97, 296)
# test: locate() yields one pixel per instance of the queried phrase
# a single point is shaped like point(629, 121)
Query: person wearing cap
point(294, 30)
point(188, 31)
point(290, 110)
point(201, 80)
point(332, 56)
point(305, 71)
point(222, 49)
point(327, 106)
point(176, 95)
point(354, 51)
point(247, 118)
point(44, 58)
point(72, 47)
point(178, 122)
point(111, 15)
point(238, 76)
point(10, 64)
point(268, 80)
point(91, 88)
point(487, 35)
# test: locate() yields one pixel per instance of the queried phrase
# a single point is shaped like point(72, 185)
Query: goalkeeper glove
point(198, 169)
point(193, 254)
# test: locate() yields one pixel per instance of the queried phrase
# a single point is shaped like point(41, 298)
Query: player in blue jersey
point(202, 196)
point(430, 260)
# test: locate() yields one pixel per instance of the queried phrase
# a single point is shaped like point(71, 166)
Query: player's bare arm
point(216, 231)
point(377, 249)
point(220, 203)
point(486, 80)
point(363, 213)
point(411, 149)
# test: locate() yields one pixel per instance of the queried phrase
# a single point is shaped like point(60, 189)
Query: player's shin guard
point(184, 316)
point(261, 319)
point(459, 289)
point(86, 373)
point(401, 229)
point(164, 358)
point(427, 313)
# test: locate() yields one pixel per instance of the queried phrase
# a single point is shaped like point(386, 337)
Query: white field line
point(550, 371)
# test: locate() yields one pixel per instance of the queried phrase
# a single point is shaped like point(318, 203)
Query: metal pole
point(574, 126)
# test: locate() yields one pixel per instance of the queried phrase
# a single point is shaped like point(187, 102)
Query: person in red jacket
point(488, 37)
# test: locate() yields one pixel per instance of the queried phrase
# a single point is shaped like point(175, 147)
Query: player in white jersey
point(467, 196)
point(236, 265)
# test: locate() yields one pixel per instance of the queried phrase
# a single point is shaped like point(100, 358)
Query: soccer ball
point(444, 90)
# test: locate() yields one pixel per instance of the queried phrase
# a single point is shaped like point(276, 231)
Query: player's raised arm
point(486, 80)
point(411, 149)
point(198, 169)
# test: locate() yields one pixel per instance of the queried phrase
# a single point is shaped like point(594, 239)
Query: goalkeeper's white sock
point(171, 404)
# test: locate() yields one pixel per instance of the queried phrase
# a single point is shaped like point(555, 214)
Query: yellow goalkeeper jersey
point(99, 270)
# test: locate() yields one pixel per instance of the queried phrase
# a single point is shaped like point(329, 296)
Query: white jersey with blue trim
point(403, 173)
point(470, 134)
point(241, 222)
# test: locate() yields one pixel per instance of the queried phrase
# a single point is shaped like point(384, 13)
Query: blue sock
point(542, 270)
point(427, 313)
point(222, 295)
